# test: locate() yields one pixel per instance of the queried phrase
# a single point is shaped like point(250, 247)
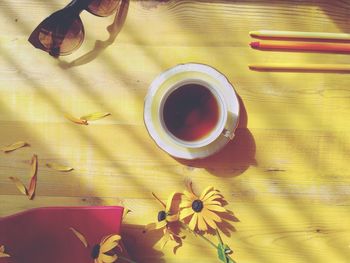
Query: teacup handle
point(228, 134)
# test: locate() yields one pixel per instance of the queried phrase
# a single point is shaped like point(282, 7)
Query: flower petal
point(109, 243)
point(192, 224)
point(212, 193)
point(173, 202)
point(107, 258)
point(79, 236)
point(216, 197)
point(212, 202)
point(216, 208)
point(201, 223)
point(211, 215)
point(185, 203)
point(172, 218)
point(14, 146)
point(206, 191)
point(20, 186)
point(32, 184)
point(95, 116)
point(75, 120)
point(190, 196)
point(59, 167)
point(210, 222)
point(186, 212)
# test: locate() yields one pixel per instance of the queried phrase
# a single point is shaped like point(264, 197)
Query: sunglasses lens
point(62, 39)
point(58, 35)
point(103, 7)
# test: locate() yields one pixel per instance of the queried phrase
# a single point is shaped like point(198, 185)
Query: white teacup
point(214, 119)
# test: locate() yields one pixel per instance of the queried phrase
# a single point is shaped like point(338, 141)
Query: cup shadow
point(113, 30)
point(236, 157)
point(140, 245)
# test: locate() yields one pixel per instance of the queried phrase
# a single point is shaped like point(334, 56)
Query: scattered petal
point(75, 120)
point(95, 116)
point(20, 186)
point(59, 167)
point(14, 146)
point(32, 185)
point(79, 236)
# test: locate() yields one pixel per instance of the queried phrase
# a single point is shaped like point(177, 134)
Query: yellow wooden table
point(286, 174)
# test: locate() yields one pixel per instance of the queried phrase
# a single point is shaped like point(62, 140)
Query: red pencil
point(303, 46)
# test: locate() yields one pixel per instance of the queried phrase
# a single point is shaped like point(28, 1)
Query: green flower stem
point(184, 226)
point(194, 233)
point(126, 259)
point(219, 236)
point(210, 242)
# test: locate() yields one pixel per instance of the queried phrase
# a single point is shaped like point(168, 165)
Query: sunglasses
point(63, 32)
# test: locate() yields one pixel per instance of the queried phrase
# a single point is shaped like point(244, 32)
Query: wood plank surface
point(286, 175)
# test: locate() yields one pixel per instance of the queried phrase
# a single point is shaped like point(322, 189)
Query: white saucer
point(178, 74)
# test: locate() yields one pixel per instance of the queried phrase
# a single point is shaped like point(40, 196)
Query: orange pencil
point(302, 46)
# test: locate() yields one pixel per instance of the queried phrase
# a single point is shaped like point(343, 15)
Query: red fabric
point(42, 235)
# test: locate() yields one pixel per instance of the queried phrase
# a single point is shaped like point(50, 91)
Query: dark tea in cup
point(191, 112)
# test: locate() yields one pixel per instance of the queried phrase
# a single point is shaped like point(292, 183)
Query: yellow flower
point(2, 252)
point(168, 221)
point(202, 212)
point(99, 251)
point(168, 214)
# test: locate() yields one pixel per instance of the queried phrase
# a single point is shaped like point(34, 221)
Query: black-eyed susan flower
point(167, 220)
point(2, 252)
point(202, 212)
point(168, 214)
point(101, 253)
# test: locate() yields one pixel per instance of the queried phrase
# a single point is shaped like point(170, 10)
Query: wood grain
point(286, 174)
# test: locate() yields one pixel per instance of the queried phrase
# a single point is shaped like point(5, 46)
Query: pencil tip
point(254, 44)
point(252, 33)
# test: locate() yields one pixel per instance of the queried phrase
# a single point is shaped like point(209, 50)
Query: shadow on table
point(140, 245)
point(113, 30)
point(236, 157)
